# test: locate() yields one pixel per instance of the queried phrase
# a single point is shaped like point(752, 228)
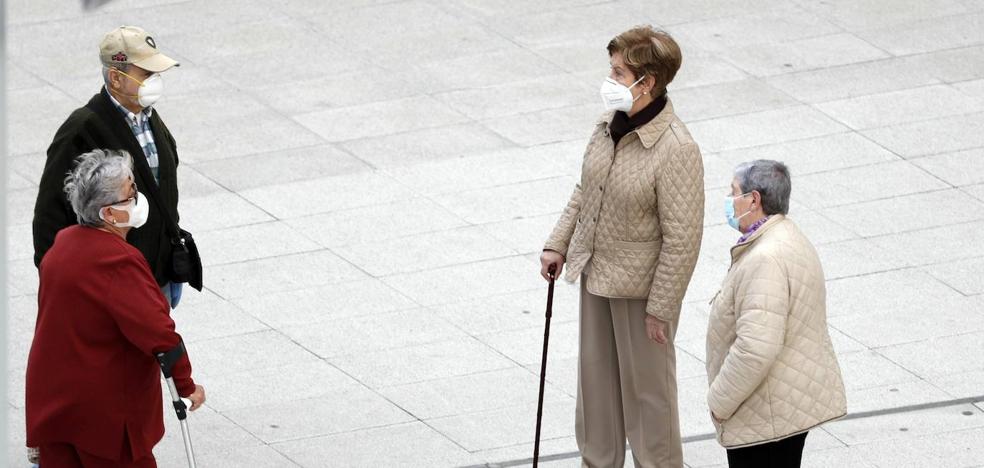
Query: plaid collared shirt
point(140, 126)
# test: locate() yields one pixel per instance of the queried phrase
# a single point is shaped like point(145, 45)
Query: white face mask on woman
point(138, 210)
point(617, 96)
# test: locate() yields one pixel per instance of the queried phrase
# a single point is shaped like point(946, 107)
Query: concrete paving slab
point(274, 385)
point(904, 289)
point(519, 97)
point(936, 245)
point(880, 217)
point(478, 72)
point(228, 112)
point(451, 358)
point(376, 223)
point(547, 126)
point(411, 445)
point(381, 118)
point(520, 200)
point(509, 426)
point(929, 34)
point(344, 410)
point(416, 252)
point(462, 282)
point(854, 80)
point(938, 356)
point(280, 167)
point(212, 319)
point(490, 169)
point(326, 194)
point(897, 107)
point(867, 369)
point(252, 242)
point(956, 447)
point(426, 145)
point(782, 23)
point(323, 303)
point(241, 353)
point(474, 393)
point(219, 211)
point(950, 134)
point(957, 169)
point(730, 98)
point(965, 275)
point(859, 257)
point(257, 277)
point(865, 183)
point(762, 128)
point(804, 54)
point(369, 333)
point(514, 311)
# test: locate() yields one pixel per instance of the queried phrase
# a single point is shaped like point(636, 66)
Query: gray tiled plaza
point(370, 183)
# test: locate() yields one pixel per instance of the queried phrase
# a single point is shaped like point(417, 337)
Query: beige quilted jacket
point(637, 215)
point(770, 363)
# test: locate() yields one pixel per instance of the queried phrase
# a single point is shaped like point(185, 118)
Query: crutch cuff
point(169, 358)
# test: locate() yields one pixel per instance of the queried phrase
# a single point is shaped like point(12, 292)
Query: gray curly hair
point(95, 182)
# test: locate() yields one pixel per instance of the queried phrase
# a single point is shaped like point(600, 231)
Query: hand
point(549, 259)
point(656, 329)
point(197, 397)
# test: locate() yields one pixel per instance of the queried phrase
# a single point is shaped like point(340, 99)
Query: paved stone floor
point(371, 181)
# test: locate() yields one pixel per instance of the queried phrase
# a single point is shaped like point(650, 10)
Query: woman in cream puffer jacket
point(771, 367)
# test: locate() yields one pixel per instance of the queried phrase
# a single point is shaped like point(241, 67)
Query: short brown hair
point(648, 51)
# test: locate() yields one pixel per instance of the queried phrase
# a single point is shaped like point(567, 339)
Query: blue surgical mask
point(729, 211)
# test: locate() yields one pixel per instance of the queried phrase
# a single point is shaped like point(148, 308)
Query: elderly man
point(120, 117)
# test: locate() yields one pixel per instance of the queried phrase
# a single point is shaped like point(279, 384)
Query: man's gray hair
point(770, 179)
point(125, 68)
point(95, 182)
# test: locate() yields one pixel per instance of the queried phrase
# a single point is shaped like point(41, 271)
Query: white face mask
point(617, 96)
point(137, 209)
point(150, 90)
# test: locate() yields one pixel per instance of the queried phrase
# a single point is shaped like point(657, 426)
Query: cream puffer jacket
point(637, 215)
point(770, 363)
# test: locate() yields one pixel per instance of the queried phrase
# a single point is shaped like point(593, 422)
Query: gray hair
point(770, 179)
point(125, 68)
point(95, 182)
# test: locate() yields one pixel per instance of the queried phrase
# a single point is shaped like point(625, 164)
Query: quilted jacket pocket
point(624, 268)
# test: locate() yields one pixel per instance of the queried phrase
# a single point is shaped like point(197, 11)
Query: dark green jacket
point(100, 125)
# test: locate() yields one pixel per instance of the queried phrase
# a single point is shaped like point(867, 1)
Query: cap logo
point(150, 42)
point(120, 57)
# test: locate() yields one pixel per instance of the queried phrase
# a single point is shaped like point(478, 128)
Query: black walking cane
point(543, 365)
point(167, 361)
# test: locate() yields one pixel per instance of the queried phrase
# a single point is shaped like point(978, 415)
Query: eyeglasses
point(133, 186)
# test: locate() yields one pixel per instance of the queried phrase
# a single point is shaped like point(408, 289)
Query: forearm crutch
point(543, 365)
point(167, 361)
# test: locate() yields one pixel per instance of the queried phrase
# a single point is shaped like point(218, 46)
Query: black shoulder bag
point(185, 265)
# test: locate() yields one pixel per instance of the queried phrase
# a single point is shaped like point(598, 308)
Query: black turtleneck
point(622, 124)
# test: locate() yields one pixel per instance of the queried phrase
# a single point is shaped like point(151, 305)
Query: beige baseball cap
point(130, 45)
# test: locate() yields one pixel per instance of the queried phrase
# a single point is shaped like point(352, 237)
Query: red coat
point(91, 373)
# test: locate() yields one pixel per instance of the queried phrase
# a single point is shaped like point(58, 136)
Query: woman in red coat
point(93, 384)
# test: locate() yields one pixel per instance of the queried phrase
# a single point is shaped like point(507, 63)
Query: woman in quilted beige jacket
point(771, 368)
point(631, 232)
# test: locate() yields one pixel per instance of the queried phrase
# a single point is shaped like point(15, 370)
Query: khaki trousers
point(626, 387)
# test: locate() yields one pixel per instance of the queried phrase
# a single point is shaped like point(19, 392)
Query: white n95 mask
point(617, 96)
